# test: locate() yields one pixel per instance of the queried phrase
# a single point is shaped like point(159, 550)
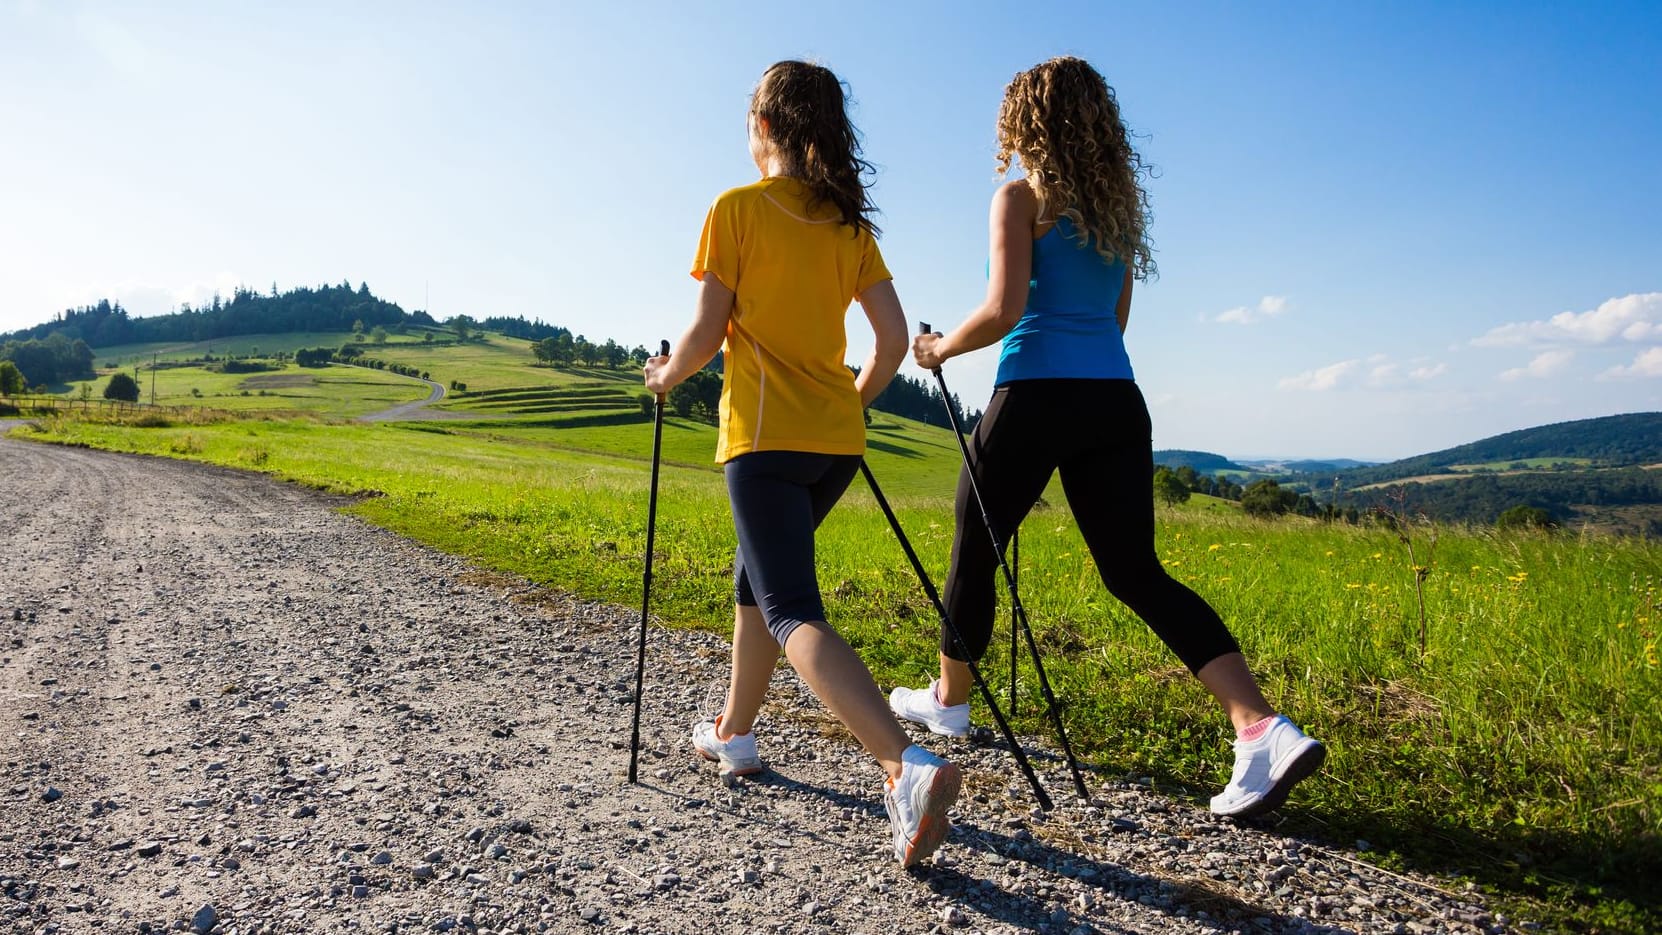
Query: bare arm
point(888, 323)
point(1123, 310)
point(699, 343)
point(1014, 212)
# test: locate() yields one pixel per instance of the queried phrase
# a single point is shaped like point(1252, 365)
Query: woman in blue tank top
point(1067, 241)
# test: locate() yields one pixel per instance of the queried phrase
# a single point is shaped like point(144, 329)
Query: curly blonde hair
point(1062, 121)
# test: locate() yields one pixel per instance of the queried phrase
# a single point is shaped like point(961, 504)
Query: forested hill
point(1608, 441)
point(325, 308)
point(1205, 462)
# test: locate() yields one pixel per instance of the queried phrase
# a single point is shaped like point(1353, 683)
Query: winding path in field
point(416, 409)
point(227, 700)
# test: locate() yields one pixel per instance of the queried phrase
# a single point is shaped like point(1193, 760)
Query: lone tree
point(122, 387)
point(11, 379)
point(1265, 498)
point(1169, 487)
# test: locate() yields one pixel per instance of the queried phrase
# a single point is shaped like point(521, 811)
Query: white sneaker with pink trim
point(1266, 769)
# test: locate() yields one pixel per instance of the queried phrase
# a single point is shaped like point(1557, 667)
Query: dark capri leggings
point(1097, 433)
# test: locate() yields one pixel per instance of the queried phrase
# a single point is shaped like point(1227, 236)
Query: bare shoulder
point(1017, 192)
point(1015, 200)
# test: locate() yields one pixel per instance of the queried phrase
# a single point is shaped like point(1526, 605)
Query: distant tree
point(462, 326)
point(122, 387)
point(358, 327)
point(1265, 498)
point(698, 397)
point(1188, 477)
point(638, 355)
point(1523, 516)
point(1169, 486)
point(378, 334)
point(427, 337)
point(616, 354)
point(12, 381)
point(584, 351)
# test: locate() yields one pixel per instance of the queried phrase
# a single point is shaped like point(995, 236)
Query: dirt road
point(230, 707)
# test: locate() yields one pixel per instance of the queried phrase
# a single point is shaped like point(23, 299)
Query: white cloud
point(1323, 378)
point(1647, 364)
point(1635, 318)
point(1268, 307)
point(1544, 365)
point(1376, 371)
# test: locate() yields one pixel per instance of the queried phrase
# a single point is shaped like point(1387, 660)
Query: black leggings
point(1097, 433)
point(779, 498)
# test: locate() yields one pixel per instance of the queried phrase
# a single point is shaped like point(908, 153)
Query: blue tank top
point(1069, 329)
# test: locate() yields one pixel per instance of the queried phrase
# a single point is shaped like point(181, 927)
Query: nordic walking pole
point(1016, 609)
point(1015, 564)
point(646, 579)
point(958, 641)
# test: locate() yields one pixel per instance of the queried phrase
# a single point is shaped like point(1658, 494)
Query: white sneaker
point(1266, 769)
point(736, 754)
point(918, 802)
point(921, 706)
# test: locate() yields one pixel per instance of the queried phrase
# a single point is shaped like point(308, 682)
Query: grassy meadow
point(1521, 751)
point(337, 390)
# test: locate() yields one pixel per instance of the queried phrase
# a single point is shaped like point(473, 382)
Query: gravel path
point(233, 709)
point(416, 409)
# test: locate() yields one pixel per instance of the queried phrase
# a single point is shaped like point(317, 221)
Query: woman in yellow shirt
point(778, 264)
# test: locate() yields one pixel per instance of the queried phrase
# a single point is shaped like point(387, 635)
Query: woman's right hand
point(655, 374)
point(926, 352)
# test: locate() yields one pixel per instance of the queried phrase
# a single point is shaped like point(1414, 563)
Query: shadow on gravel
point(1606, 882)
point(1110, 883)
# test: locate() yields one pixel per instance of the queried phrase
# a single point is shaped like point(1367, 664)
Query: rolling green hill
point(1634, 439)
point(1203, 461)
point(1590, 472)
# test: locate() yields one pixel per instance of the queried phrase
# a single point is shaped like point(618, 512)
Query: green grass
point(1521, 752)
point(335, 390)
point(126, 355)
point(496, 362)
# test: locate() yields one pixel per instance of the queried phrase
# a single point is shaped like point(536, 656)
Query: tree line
point(325, 308)
point(42, 362)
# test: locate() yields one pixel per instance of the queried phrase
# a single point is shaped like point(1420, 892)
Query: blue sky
point(1382, 229)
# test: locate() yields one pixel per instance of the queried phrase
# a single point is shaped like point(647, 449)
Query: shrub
point(122, 387)
point(1524, 516)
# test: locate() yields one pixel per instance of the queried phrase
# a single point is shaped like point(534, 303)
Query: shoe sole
point(934, 825)
point(747, 770)
point(1300, 767)
point(941, 731)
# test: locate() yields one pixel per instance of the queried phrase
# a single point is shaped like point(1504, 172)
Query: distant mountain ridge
point(1631, 439)
point(1204, 462)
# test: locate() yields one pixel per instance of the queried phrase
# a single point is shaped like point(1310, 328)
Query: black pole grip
point(663, 348)
point(923, 327)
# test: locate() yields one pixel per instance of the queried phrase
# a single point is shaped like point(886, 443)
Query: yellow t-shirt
point(793, 272)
